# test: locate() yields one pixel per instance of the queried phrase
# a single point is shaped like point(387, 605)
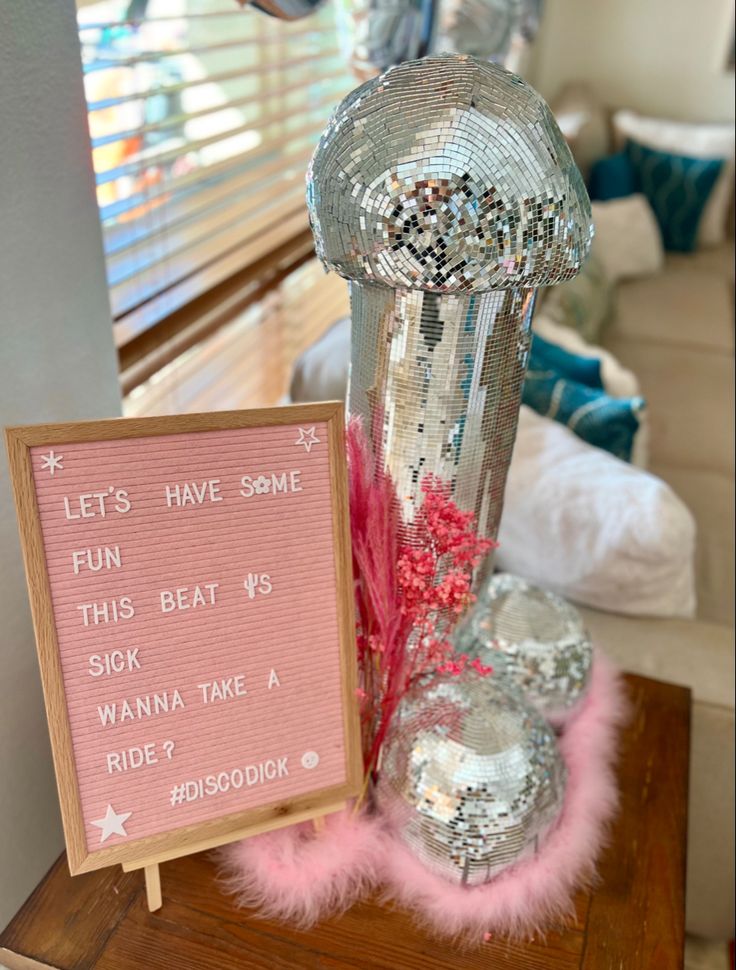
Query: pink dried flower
point(409, 596)
point(483, 669)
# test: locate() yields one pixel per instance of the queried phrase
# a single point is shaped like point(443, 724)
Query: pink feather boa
point(299, 876)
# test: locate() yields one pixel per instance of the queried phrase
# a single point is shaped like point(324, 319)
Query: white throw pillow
point(321, 372)
point(583, 121)
point(692, 141)
point(627, 239)
point(594, 529)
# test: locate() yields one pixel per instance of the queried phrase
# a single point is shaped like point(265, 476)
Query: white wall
point(660, 57)
point(56, 362)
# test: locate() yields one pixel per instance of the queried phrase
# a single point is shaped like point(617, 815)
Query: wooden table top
point(633, 920)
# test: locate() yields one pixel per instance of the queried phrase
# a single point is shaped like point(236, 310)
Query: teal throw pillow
point(607, 422)
point(612, 178)
point(677, 188)
point(544, 355)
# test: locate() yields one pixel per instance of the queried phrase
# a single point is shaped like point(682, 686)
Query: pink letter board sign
point(191, 586)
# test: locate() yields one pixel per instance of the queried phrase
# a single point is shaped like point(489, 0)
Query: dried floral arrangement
point(409, 591)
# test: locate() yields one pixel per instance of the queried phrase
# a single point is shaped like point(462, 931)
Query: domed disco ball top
point(447, 174)
point(471, 779)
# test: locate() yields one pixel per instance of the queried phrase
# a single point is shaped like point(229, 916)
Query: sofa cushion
point(690, 399)
point(607, 422)
point(612, 177)
point(688, 304)
point(710, 497)
point(617, 380)
point(710, 828)
point(717, 261)
point(584, 123)
point(694, 653)
point(585, 303)
point(701, 141)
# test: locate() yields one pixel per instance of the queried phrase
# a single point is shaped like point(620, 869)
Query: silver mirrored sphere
point(532, 638)
point(483, 28)
point(471, 778)
point(381, 33)
point(447, 174)
point(497, 30)
point(387, 32)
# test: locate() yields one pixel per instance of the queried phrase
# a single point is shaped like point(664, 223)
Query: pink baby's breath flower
point(408, 596)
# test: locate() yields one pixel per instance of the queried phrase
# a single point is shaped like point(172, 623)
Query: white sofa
point(675, 331)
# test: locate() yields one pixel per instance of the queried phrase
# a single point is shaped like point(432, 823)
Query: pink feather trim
point(300, 876)
point(524, 899)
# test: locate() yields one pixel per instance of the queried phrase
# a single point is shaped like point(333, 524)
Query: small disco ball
point(532, 638)
point(471, 779)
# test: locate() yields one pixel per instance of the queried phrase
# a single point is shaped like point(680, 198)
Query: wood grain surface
point(632, 920)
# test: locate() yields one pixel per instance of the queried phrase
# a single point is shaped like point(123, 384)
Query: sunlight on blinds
point(202, 117)
point(249, 362)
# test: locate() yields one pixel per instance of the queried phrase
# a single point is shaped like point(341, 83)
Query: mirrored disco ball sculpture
point(471, 778)
point(531, 638)
point(483, 28)
point(387, 32)
point(381, 33)
point(444, 192)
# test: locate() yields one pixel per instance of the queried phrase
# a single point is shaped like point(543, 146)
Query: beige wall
point(660, 57)
point(57, 362)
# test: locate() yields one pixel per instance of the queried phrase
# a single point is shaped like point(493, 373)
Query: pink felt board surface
point(272, 728)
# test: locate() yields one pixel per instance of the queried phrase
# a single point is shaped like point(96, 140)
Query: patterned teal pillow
point(607, 422)
point(612, 177)
point(677, 188)
point(544, 355)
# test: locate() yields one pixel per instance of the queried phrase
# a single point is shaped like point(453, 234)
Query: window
point(202, 120)
point(248, 362)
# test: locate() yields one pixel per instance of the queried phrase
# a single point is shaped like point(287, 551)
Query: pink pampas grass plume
point(408, 593)
point(300, 875)
point(525, 898)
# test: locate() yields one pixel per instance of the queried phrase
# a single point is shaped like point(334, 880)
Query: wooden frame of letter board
point(148, 851)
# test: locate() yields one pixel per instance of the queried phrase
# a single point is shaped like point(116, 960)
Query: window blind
point(202, 120)
point(250, 361)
